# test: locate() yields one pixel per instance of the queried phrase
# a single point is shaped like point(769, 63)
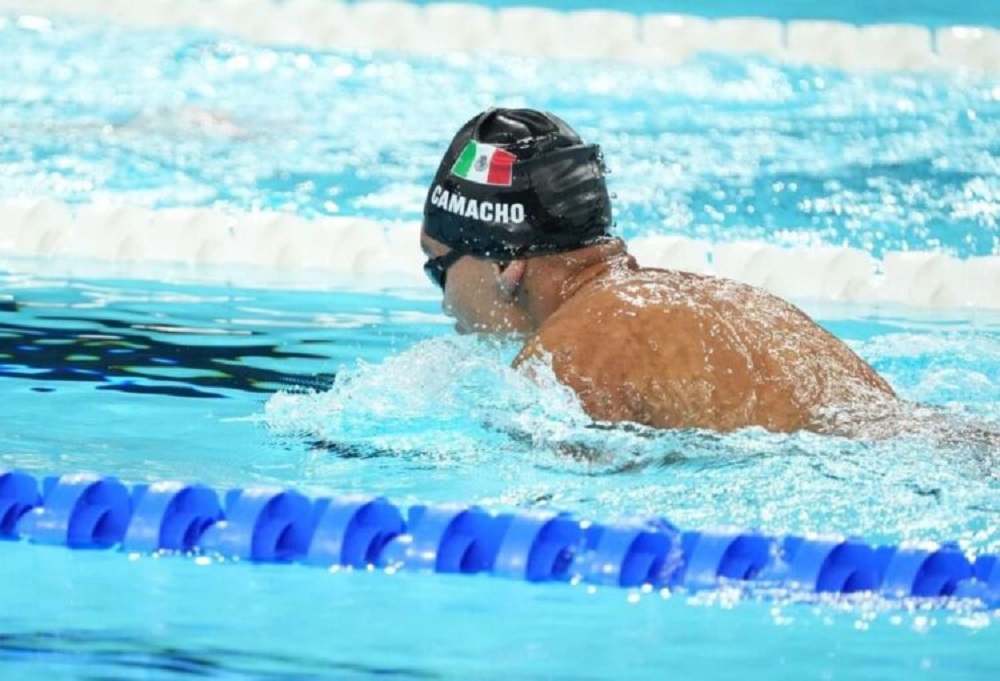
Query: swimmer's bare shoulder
point(673, 349)
point(625, 346)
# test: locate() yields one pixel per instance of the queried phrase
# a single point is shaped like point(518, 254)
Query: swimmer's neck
point(559, 277)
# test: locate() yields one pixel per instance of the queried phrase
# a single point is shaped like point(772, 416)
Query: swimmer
point(517, 231)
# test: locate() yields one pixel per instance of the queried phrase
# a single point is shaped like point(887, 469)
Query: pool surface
point(922, 12)
point(335, 383)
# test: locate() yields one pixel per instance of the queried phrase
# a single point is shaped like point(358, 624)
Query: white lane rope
point(120, 233)
point(447, 27)
point(41, 230)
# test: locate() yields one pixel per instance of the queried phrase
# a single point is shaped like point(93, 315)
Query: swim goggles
point(436, 268)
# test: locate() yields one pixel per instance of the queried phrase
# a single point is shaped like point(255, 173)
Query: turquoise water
point(291, 622)
point(177, 380)
point(925, 12)
point(347, 390)
point(720, 148)
point(337, 386)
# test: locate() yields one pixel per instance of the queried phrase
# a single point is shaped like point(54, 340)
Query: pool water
point(721, 148)
point(334, 386)
point(349, 390)
point(922, 12)
point(284, 622)
point(164, 381)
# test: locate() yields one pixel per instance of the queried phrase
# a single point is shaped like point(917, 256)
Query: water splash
point(445, 397)
point(449, 419)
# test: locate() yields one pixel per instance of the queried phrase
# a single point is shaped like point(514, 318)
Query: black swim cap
point(518, 182)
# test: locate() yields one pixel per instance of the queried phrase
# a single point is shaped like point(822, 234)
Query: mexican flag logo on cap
point(485, 164)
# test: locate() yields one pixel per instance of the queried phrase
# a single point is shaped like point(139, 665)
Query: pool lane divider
point(276, 525)
point(653, 39)
point(66, 238)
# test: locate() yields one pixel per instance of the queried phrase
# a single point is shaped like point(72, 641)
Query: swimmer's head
point(517, 183)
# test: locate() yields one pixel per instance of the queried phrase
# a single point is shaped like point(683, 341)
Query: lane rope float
point(282, 525)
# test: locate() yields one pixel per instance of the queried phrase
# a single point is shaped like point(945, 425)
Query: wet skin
point(664, 348)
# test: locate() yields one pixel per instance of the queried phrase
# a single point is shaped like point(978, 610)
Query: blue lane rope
point(87, 511)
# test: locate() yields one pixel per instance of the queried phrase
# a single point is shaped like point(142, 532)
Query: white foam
point(529, 31)
point(43, 229)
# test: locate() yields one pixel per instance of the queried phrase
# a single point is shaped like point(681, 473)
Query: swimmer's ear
point(509, 276)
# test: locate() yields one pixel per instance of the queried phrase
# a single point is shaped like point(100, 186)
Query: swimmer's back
point(677, 350)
